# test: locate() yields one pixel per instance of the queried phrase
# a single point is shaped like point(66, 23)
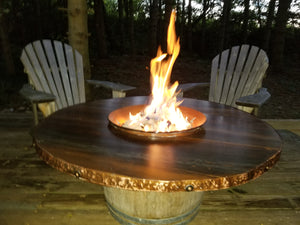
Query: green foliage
point(111, 7)
point(31, 20)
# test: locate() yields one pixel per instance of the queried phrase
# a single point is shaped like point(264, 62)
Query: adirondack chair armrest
point(189, 86)
point(255, 100)
point(118, 90)
point(34, 96)
point(111, 85)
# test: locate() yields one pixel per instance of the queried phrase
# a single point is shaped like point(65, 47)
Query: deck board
point(292, 125)
point(32, 193)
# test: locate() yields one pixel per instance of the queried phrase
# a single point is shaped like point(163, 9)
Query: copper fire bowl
point(118, 117)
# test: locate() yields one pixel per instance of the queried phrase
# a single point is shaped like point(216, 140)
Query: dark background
point(127, 58)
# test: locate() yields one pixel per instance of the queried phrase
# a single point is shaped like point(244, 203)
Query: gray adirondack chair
point(55, 73)
point(236, 78)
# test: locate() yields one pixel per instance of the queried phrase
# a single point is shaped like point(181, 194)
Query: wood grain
point(33, 193)
point(232, 148)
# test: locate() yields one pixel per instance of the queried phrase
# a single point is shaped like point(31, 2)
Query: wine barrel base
point(140, 207)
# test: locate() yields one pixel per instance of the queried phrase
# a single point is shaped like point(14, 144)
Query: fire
point(162, 114)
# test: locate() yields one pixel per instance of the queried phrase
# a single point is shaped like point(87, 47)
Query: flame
point(162, 114)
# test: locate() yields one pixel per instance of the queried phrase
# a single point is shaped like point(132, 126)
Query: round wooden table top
point(231, 148)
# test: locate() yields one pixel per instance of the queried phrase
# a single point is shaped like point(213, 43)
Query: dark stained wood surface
point(231, 148)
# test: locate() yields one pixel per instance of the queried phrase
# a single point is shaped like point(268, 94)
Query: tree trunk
point(182, 23)
point(203, 28)
point(78, 34)
point(126, 9)
point(190, 28)
point(154, 17)
point(160, 23)
point(268, 27)
point(39, 20)
point(279, 34)
point(178, 7)
point(245, 21)
point(126, 26)
point(121, 26)
point(131, 27)
point(224, 24)
point(168, 10)
point(259, 13)
point(5, 46)
point(100, 28)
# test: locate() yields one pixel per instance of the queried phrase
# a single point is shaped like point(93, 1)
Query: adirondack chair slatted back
point(237, 72)
point(55, 68)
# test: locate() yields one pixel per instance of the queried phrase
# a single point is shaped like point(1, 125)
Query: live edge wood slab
point(230, 149)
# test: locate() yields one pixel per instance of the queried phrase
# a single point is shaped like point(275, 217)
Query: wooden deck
point(292, 125)
point(32, 193)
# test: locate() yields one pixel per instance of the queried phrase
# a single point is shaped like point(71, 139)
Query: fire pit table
point(160, 180)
